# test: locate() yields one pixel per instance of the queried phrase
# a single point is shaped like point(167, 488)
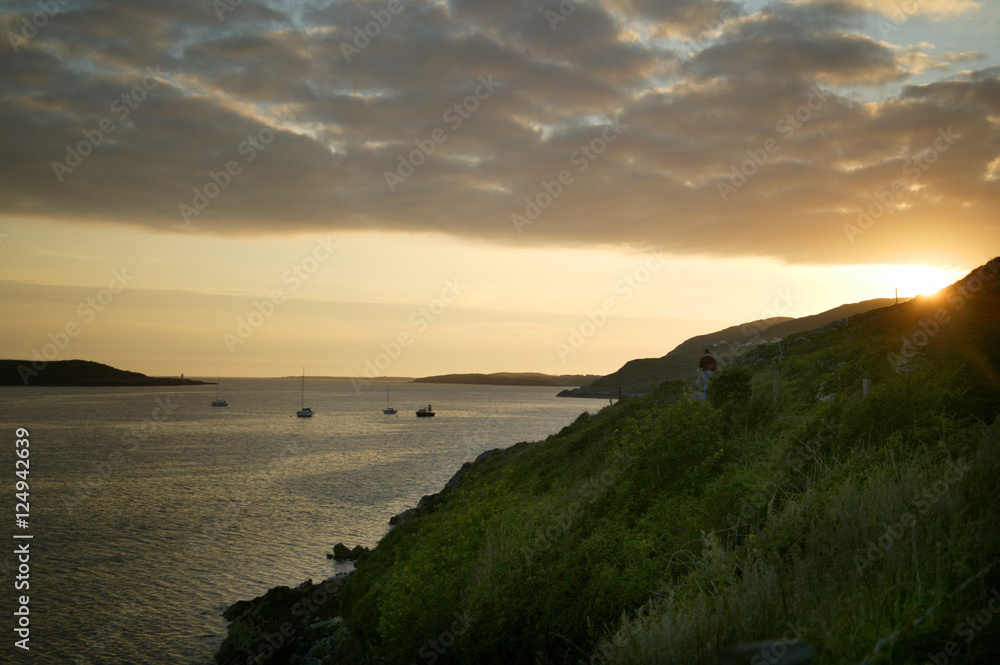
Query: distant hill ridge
point(79, 373)
point(512, 379)
point(641, 376)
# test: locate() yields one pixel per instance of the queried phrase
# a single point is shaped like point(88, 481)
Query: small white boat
point(305, 412)
point(425, 413)
point(219, 402)
point(388, 410)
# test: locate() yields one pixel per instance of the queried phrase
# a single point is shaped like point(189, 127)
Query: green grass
point(663, 529)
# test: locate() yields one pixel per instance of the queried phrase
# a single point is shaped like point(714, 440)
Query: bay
point(151, 511)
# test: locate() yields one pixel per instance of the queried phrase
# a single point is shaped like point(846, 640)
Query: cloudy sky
point(244, 187)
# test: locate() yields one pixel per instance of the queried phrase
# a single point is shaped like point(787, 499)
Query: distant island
point(79, 373)
point(512, 379)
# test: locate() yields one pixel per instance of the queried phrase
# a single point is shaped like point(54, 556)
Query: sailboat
point(305, 412)
point(388, 410)
point(219, 402)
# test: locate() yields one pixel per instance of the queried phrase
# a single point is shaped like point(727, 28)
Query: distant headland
point(80, 373)
point(512, 379)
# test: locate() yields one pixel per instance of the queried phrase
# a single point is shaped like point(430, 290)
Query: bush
point(730, 388)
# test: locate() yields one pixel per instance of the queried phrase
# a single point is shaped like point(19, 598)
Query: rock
point(775, 652)
point(342, 553)
point(253, 620)
point(429, 503)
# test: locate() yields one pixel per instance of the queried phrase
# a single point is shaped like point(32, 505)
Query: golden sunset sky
point(214, 187)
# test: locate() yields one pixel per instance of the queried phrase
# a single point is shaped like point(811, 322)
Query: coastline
point(303, 621)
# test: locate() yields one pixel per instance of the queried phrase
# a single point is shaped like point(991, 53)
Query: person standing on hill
point(707, 365)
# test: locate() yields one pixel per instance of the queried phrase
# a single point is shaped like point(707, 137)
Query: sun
point(919, 280)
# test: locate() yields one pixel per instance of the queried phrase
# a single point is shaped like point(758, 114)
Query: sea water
point(150, 511)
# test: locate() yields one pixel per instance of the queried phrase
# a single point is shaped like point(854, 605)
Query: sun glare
point(916, 280)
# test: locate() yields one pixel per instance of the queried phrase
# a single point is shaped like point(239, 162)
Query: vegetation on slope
point(638, 377)
point(664, 529)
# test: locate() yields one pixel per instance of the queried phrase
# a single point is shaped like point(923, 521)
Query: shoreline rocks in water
point(285, 621)
point(303, 624)
point(342, 552)
point(429, 502)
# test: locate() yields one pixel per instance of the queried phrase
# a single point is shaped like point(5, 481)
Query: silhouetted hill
point(512, 379)
point(638, 377)
point(79, 373)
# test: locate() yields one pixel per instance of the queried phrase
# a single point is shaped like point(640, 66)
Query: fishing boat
point(388, 410)
point(305, 412)
point(219, 402)
point(425, 413)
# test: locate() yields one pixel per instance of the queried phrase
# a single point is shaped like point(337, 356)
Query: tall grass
point(841, 565)
point(662, 529)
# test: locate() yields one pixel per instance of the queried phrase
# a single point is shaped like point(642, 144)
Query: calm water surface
point(152, 511)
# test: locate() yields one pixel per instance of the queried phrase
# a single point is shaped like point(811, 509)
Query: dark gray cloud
point(772, 136)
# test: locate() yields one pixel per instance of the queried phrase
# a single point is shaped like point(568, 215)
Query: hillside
point(669, 530)
point(638, 377)
point(512, 379)
point(79, 373)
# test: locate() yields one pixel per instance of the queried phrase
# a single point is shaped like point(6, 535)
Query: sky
point(414, 187)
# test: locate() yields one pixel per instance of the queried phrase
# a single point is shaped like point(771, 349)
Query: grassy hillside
point(638, 377)
point(665, 530)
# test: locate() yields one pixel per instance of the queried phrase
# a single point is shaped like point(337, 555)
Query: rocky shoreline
point(302, 625)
